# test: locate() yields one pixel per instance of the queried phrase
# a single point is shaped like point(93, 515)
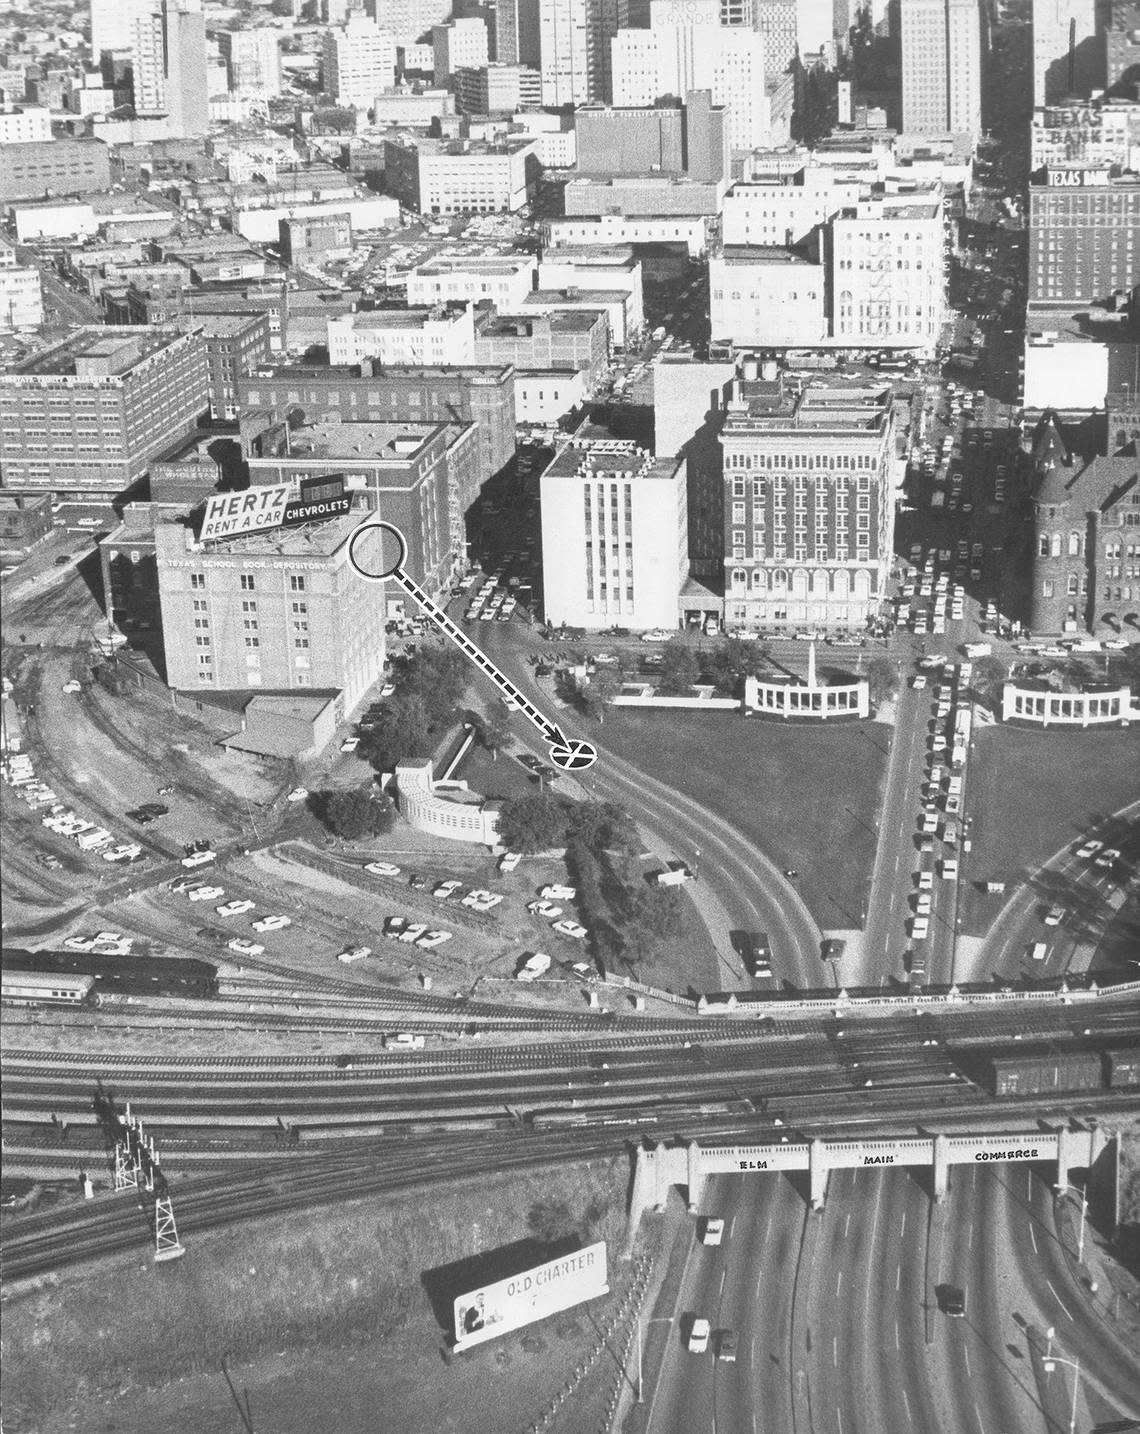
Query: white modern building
point(460, 176)
point(458, 45)
point(504, 282)
point(887, 271)
point(767, 297)
point(615, 547)
point(543, 396)
point(596, 268)
point(25, 126)
point(21, 295)
point(684, 48)
point(253, 62)
point(358, 62)
point(417, 337)
point(564, 45)
point(618, 229)
point(168, 65)
point(941, 66)
point(786, 209)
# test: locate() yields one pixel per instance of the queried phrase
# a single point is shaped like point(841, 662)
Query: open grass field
point(807, 796)
point(1030, 792)
point(322, 1315)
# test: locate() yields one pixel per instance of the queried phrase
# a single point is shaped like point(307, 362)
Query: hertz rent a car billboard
point(530, 1296)
point(228, 515)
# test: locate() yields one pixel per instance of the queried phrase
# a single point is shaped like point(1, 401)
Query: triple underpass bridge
point(1088, 1150)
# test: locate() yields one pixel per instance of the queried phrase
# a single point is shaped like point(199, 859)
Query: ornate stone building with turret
point(1085, 516)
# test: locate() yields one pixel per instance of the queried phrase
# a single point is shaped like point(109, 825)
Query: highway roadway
point(838, 1319)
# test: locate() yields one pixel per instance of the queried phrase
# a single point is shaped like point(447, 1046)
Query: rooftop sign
point(228, 515)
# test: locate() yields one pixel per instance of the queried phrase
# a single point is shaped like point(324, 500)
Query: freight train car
point(1068, 1071)
point(123, 975)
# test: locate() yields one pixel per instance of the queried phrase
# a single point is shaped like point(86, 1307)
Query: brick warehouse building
point(1085, 535)
point(482, 394)
point(85, 417)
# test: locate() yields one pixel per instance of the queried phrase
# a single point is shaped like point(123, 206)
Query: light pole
point(1072, 1189)
point(1048, 1364)
point(655, 1319)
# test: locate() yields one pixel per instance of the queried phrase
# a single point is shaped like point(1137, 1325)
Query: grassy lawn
point(127, 1346)
point(806, 795)
point(1029, 792)
point(495, 777)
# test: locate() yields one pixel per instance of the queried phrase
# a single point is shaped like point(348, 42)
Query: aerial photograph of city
point(570, 735)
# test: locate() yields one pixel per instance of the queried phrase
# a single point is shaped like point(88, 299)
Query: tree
point(988, 679)
point(533, 823)
point(679, 669)
point(438, 677)
point(494, 731)
point(356, 812)
point(404, 730)
point(600, 691)
point(882, 680)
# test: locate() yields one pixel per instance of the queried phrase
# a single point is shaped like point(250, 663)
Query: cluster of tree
point(429, 685)
point(626, 917)
point(539, 821)
point(723, 664)
point(354, 813)
point(882, 680)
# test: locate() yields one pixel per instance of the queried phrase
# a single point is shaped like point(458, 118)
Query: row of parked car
point(19, 772)
point(195, 889)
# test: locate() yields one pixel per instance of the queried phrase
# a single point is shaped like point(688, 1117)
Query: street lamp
point(1072, 1189)
point(1050, 1361)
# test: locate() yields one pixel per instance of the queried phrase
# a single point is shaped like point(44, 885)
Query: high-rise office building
point(168, 59)
point(358, 62)
point(685, 47)
point(253, 61)
point(408, 20)
point(459, 45)
point(808, 506)
point(1068, 49)
point(564, 43)
point(941, 66)
point(1084, 235)
point(112, 24)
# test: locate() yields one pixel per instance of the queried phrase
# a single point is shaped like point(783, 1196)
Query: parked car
point(412, 932)
point(558, 893)
point(433, 939)
point(234, 908)
point(271, 923)
point(206, 893)
point(446, 889)
point(200, 858)
point(354, 953)
point(570, 928)
point(298, 794)
point(509, 860)
point(244, 947)
point(382, 868)
point(711, 1230)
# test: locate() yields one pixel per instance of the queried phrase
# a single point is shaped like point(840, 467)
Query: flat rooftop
point(331, 438)
point(583, 297)
point(590, 457)
point(398, 318)
point(764, 254)
point(561, 321)
point(832, 405)
point(97, 352)
point(320, 539)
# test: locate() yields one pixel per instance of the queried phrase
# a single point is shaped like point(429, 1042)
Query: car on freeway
point(234, 908)
point(433, 939)
point(711, 1230)
point(199, 858)
point(1054, 916)
point(509, 860)
point(205, 893)
point(920, 928)
point(1089, 850)
point(726, 1346)
point(382, 868)
point(698, 1337)
point(354, 953)
point(569, 928)
point(951, 1301)
point(412, 932)
point(558, 893)
point(244, 947)
point(1107, 858)
point(445, 890)
point(271, 923)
